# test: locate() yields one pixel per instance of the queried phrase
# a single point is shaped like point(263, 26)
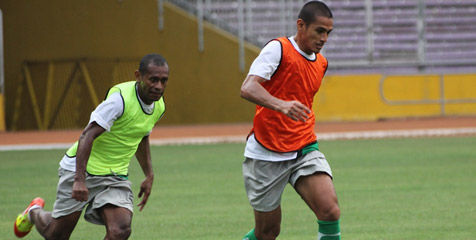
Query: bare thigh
point(117, 220)
point(318, 192)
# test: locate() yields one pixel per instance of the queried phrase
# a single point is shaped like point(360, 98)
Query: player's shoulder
point(272, 50)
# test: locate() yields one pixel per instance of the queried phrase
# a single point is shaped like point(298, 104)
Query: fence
point(62, 94)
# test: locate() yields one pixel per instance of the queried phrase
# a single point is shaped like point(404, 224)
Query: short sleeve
point(267, 61)
point(108, 111)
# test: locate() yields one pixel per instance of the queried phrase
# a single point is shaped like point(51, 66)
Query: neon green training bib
point(112, 151)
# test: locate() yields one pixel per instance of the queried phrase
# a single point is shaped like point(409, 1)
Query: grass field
point(421, 188)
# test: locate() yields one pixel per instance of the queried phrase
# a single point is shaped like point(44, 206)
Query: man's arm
point(145, 162)
point(253, 91)
point(85, 144)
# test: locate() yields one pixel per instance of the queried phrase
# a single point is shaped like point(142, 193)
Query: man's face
point(315, 35)
point(152, 84)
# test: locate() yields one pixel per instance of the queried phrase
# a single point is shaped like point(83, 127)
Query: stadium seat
point(450, 27)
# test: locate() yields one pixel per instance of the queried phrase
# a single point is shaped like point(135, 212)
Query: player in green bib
point(94, 171)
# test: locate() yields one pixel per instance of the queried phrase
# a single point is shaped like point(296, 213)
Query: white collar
point(310, 57)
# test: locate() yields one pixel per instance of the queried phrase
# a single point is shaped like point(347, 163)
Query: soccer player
point(282, 147)
point(94, 171)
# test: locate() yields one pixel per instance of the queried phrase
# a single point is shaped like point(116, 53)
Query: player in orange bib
point(282, 147)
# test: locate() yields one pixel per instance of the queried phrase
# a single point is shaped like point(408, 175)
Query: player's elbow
point(246, 95)
point(245, 92)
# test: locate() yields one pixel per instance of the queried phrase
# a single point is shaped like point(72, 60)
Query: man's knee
point(119, 232)
point(331, 213)
point(56, 236)
point(268, 233)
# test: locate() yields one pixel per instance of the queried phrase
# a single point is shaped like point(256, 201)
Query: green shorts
point(102, 190)
point(265, 180)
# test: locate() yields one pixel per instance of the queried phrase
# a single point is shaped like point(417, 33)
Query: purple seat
point(450, 27)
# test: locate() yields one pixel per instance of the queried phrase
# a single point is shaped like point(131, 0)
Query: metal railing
point(367, 33)
point(64, 97)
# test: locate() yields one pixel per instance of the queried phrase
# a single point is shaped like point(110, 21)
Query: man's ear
point(300, 24)
point(137, 74)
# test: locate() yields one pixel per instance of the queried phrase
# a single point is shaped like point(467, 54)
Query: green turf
point(388, 189)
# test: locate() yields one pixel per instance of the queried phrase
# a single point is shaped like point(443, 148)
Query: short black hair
point(154, 58)
point(314, 9)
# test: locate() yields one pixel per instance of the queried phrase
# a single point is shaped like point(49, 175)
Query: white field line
point(35, 146)
point(328, 136)
point(436, 132)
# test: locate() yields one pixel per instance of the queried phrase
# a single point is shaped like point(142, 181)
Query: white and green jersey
point(126, 120)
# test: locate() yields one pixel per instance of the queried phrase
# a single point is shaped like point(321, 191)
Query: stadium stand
point(447, 38)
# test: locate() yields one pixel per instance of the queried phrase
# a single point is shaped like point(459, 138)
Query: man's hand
point(145, 189)
point(295, 110)
point(253, 91)
point(80, 191)
point(85, 143)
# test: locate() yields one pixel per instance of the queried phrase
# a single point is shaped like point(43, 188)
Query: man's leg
point(47, 226)
point(318, 192)
point(117, 220)
point(264, 184)
point(54, 228)
point(23, 224)
point(267, 224)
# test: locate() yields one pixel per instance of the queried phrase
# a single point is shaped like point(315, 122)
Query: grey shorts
point(102, 190)
point(265, 180)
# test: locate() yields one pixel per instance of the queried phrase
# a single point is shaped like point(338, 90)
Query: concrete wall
point(357, 97)
point(2, 114)
point(208, 88)
point(204, 86)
